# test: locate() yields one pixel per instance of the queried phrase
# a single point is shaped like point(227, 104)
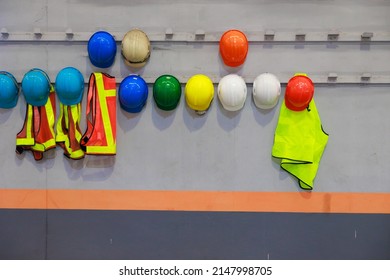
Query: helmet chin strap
point(200, 113)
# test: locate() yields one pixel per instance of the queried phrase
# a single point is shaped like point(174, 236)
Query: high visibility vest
point(100, 136)
point(299, 142)
point(68, 130)
point(37, 134)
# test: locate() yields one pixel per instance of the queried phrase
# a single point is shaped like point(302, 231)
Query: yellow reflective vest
point(299, 142)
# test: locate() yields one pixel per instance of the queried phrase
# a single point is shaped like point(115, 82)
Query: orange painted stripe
point(304, 202)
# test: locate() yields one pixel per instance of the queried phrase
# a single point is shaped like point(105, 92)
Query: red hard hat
point(299, 93)
point(233, 47)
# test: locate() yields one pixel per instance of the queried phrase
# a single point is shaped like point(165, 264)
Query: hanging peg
point(269, 35)
point(366, 77)
point(334, 36)
point(69, 32)
point(4, 31)
point(300, 37)
point(168, 33)
point(332, 77)
point(366, 36)
point(200, 34)
point(37, 31)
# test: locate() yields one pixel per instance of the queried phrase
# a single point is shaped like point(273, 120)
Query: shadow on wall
point(228, 120)
point(264, 116)
point(27, 155)
point(162, 119)
point(90, 68)
point(192, 120)
point(90, 168)
point(5, 115)
point(128, 121)
point(225, 70)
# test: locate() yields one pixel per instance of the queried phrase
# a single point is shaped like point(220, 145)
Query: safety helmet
point(299, 92)
point(266, 91)
point(233, 47)
point(232, 92)
point(166, 92)
point(199, 93)
point(36, 87)
point(133, 93)
point(9, 90)
point(135, 48)
point(102, 49)
point(69, 86)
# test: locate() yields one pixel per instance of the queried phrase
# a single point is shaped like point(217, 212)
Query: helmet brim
point(132, 109)
point(167, 107)
point(70, 102)
point(260, 105)
point(11, 104)
point(292, 107)
point(135, 65)
point(105, 64)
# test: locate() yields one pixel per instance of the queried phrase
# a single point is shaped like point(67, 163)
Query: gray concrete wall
point(227, 151)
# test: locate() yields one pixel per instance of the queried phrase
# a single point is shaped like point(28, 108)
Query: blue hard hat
point(36, 87)
point(9, 90)
point(69, 86)
point(102, 49)
point(133, 93)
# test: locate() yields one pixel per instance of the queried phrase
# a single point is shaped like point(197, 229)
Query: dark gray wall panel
point(191, 235)
point(23, 234)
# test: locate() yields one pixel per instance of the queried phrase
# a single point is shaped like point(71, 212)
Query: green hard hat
point(166, 92)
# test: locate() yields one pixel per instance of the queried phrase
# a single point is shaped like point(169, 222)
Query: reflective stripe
point(28, 139)
point(25, 142)
point(101, 149)
point(61, 123)
point(74, 131)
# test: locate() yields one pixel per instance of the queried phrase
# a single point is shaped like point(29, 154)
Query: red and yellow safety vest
point(37, 134)
point(68, 130)
point(100, 136)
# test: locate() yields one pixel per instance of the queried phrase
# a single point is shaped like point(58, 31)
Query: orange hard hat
point(299, 92)
point(233, 47)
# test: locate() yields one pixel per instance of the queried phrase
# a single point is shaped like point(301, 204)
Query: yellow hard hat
point(136, 48)
point(199, 92)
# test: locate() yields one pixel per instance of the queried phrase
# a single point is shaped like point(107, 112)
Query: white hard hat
point(135, 48)
point(266, 91)
point(232, 92)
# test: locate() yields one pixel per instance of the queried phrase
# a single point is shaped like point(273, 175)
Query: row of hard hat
point(133, 91)
point(231, 91)
point(135, 48)
point(36, 87)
